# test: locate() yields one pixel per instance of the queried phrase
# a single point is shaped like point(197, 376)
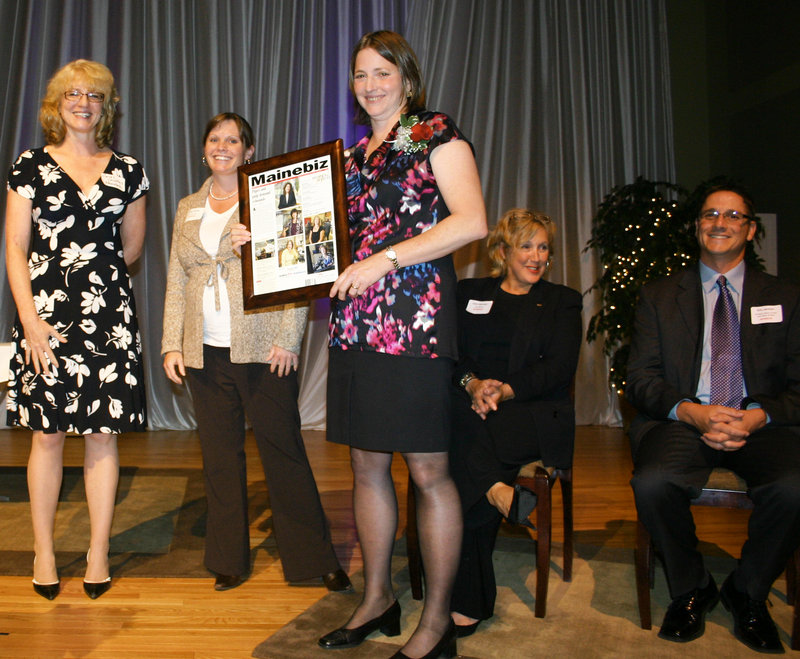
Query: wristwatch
point(392, 256)
point(468, 377)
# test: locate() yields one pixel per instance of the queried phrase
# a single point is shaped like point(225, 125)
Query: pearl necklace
point(213, 196)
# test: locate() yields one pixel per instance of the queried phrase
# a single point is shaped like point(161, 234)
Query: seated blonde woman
point(518, 342)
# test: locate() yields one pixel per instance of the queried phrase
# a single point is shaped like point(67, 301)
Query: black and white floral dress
point(81, 287)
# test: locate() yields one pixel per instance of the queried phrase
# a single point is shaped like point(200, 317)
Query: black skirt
point(380, 402)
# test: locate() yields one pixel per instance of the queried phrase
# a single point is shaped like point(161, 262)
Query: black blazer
point(542, 362)
point(666, 349)
point(287, 201)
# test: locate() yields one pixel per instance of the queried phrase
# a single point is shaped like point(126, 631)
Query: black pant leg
point(301, 528)
point(220, 426)
point(671, 466)
point(770, 464)
point(475, 589)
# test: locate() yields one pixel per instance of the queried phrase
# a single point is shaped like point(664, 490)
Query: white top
point(216, 323)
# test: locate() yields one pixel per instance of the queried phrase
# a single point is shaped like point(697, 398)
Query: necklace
point(213, 196)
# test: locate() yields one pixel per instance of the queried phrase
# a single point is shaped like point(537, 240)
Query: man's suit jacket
point(542, 362)
point(666, 350)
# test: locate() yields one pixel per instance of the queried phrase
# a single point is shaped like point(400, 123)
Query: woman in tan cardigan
point(239, 364)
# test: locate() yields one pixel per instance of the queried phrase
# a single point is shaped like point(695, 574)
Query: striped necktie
point(726, 351)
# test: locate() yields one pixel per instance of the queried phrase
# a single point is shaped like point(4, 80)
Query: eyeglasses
point(712, 215)
point(93, 97)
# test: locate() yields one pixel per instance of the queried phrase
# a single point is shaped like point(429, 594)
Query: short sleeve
point(136, 179)
point(22, 175)
point(444, 130)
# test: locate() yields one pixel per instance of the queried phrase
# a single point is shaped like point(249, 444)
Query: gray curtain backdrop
point(562, 99)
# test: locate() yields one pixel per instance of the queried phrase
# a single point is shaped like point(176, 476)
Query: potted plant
point(641, 232)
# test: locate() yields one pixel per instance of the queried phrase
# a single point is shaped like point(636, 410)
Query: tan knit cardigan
point(191, 269)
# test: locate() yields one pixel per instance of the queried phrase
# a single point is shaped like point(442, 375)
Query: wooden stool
point(539, 479)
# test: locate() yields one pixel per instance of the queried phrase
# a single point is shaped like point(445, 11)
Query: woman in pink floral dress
point(414, 197)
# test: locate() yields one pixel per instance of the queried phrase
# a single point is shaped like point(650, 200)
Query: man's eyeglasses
point(74, 95)
point(712, 215)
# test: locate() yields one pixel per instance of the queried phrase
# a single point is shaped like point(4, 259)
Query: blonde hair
point(97, 78)
point(515, 227)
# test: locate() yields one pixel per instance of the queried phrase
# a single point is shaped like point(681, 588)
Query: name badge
point(769, 313)
point(114, 180)
point(195, 214)
point(480, 307)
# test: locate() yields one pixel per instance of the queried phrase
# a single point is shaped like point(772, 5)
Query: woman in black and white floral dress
point(75, 218)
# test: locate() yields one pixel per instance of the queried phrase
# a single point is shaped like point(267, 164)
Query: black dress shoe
point(228, 581)
point(337, 582)
point(685, 619)
point(96, 588)
point(446, 647)
point(462, 631)
point(752, 624)
point(522, 505)
point(47, 590)
point(388, 622)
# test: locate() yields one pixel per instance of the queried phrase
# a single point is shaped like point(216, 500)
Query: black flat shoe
point(337, 582)
point(96, 588)
point(462, 631)
point(686, 615)
point(47, 590)
point(388, 622)
point(446, 647)
point(228, 581)
point(522, 505)
point(752, 623)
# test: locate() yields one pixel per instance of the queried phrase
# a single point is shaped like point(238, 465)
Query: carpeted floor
point(593, 616)
point(158, 530)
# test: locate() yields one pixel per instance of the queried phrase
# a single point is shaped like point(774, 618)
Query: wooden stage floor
point(187, 619)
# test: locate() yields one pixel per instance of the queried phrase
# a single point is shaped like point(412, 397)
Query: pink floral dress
point(391, 197)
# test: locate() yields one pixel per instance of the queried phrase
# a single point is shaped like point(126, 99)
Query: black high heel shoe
point(388, 622)
point(522, 505)
point(96, 588)
point(446, 647)
point(47, 590)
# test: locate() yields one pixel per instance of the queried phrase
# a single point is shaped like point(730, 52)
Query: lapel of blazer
point(529, 322)
point(689, 300)
point(191, 230)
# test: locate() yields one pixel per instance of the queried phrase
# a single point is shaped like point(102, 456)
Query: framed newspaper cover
point(294, 207)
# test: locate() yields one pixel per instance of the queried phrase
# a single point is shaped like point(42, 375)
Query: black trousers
point(482, 454)
point(671, 466)
point(222, 393)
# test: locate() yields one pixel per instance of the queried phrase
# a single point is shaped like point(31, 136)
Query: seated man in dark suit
point(714, 372)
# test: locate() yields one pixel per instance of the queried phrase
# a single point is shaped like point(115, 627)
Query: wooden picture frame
point(294, 206)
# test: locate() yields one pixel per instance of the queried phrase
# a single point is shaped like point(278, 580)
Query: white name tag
point(114, 180)
point(769, 313)
point(195, 214)
point(479, 306)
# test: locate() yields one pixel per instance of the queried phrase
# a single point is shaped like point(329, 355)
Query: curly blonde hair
point(515, 227)
point(96, 77)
